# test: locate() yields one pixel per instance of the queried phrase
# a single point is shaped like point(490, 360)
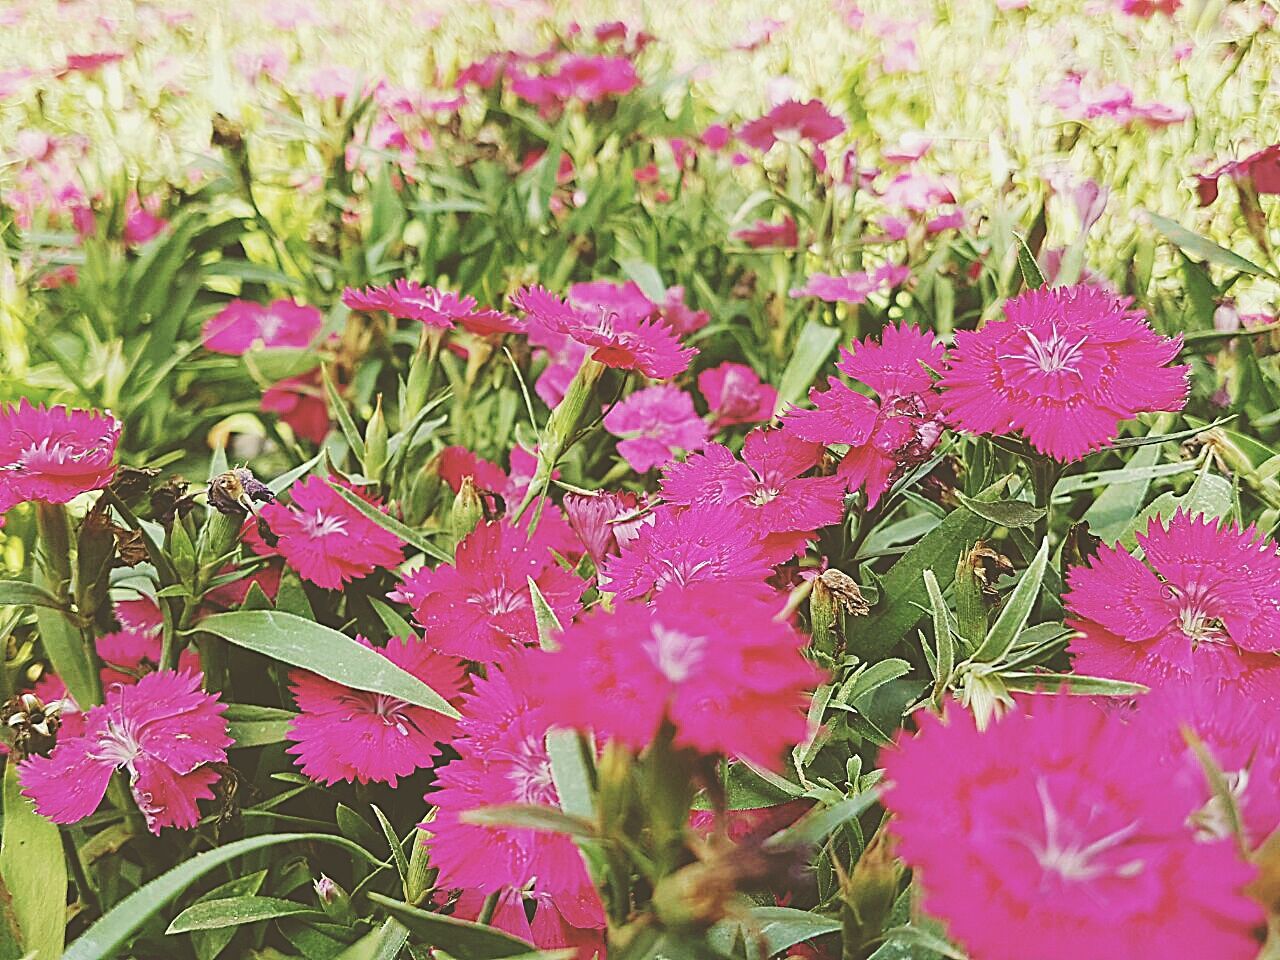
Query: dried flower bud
point(33, 725)
point(234, 492)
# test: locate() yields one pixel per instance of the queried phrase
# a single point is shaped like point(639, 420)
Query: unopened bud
point(871, 890)
point(467, 510)
point(375, 443)
point(334, 901)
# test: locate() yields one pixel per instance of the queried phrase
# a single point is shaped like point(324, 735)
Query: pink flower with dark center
point(688, 546)
point(652, 424)
point(326, 540)
point(1261, 170)
point(891, 435)
point(480, 607)
point(300, 402)
point(715, 663)
point(764, 233)
point(791, 121)
point(766, 494)
point(1063, 368)
point(1205, 605)
point(735, 394)
point(852, 287)
point(604, 521)
point(410, 300)
point(648, 346)
point(1058, 834)
point(242, 324)
point(54, 454)
point(163, 730)
point(503, 760)
point(357, 736)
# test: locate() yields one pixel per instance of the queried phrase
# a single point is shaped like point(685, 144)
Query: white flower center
point(1054, 355)
point(530, 774)
point(320, 525)
point(118, 745)
point(1070, 856)
point(675, 654)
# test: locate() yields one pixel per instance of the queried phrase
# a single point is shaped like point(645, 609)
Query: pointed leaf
point(34, 868)
point(1017, 609)
point(459, 938)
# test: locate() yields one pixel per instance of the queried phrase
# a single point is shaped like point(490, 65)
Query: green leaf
point(1211, 496)
point(645, 276)
point(571, 755)
point(385, 943)
point(209, 943)
point(459, 938)
point(768, 931)
point(1030, 682)
point(254, 726)
point(874, 677)
point(814, 826)
point(1006, 513)
point(34, 868)
point(911, 943)
point(945, 659)
point(1109, 515)
point(332, 655)
point(235, 912)
point(281, 483)
point(1031, 274)
point(1017, 609)
point(410, 536)
point(1203, 247)
point(397, 626)
point(530, 816)
point(103, 940)
point(19, 593)
point(548, 623)
point(339, 408)
point(397, 848)
point(810, 354)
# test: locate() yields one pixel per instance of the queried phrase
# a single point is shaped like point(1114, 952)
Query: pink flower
point(764, 233)
point(712, 661)
point(790, 121)
point(648, 346)
point(480, 607)
point(503, 760)
point(241, 325)
point(141, 224)
point(1205, 605)
point(1260, 169)
point(604, 521)
point(765, 494)
point(852, 287)
point(1063, 368)
point(735, 394)
point(326, 540)
point(908, 150)
point(1057, 834)
point(653, 424)
point(127, 655)
point(1085, 102)
point(455, 463)
point(687, 546)
point(300, 402)
point(716, 137)
point(918, 192)
point(163, 730)
point(54, 454)
point(593, 78)
point(679, 316)
point(410, 300)
point(354, 735)
point(1148, 8)
point(89, 62)
point(887, 437)
point(624, 299)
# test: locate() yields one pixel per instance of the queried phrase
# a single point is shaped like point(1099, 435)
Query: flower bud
point(870, 891)
point(467, 510)
point(375, 443)
point(334, 901)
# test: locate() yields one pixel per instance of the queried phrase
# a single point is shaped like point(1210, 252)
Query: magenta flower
point(326, 540)
point(242, 324)
point(1057, 834)
point(300, 402)
point(593, 78)
point(128, 654)
point(410, 300)
point(503, 760)
point(456, 463)
point(1148, 8)
point(480, 608)
point(888, 436)
point(648, 346)
point(714, 662)
point(164, 730)
point(1260, 169)
point(605, 522)
point(735, 394)
point(623, 299)
point(764, 233)
point(765, 494)
point(54, 454)
point(1063, 368)
point(687, 546)
point(918, 192)
point(354, 735)
point(852, 287)
point(1205, 605)
point(791, 121)
point(141, 222)
point(653, 424)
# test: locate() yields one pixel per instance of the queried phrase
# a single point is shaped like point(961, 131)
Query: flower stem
point(69, 648)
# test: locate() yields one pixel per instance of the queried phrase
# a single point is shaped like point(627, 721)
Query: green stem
point(68, 646)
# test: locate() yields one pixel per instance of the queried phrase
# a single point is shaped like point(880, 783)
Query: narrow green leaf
point(459, 938)
point(1006, 513)
point(810, 354)
point(548, 623)
point(1031, 681)
point(945, 659)
point(410, 536)
point(339, 408)
point(397, 626)
point(815, 825)
point(1031, 273)
point(332, 655)
point(531, 816)
point(19, 593)
point(281, 483)
point(1004, 632)
point(768, 931)
point(384, 943)
point(571, 756)
point(235, 912)
point(1211, 496)
point(209, 943)
point(1192, 243)
point(397, 848)
point(254, 726)
point(874, 677)
point(34, 869)
point(916, 940)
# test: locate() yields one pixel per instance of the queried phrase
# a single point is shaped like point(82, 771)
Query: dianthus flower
point(54, 454)
point(1056, 834)
point(1261, 170)
point(917, 192)
point(765, 233)
point(735, 394)
point(1063, 368)
point(712, 661)
point(653, 424)
point(686, 546)
point(241, 324)
point(885, 437)
point(1148, 8)
point(852, 287)
point(410, 300)
point(326, 540)
point(1204, 605)
point(765, 494)
point(456, 463)
point(164, 730)
point(791, 121)
point(604, 521)
point(648, 346)
point(300, 402)
point(128, 654)
point(345, 734)
point(628, 300)
point(593, 78)
point(503, 760)
point(480, 607)
point(1115, 101)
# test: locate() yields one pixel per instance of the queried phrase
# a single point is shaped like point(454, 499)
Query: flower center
point(1054, 355)
point(321, 525)
point(269, 325)
point(499, 600)
point(1071, 857)
point(392, 711)
point(764, 493)
point(118, 745)
point(674, 653)
point(530, 774)
point(1196, 618)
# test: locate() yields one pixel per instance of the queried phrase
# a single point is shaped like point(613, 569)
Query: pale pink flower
point(735, 394)
point(652, 424)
